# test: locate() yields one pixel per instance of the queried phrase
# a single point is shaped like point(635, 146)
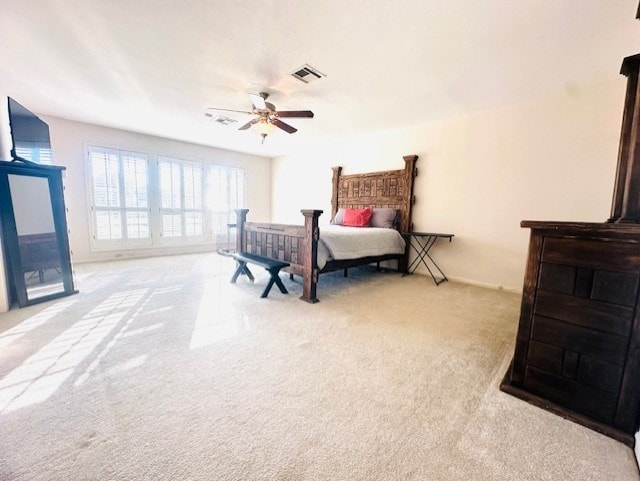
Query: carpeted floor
point(160, 369)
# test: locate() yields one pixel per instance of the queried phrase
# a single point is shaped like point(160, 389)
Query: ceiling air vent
point(307, 74)
point(220, 119)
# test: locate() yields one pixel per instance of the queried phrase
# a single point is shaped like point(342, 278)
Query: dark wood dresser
point(578, 344)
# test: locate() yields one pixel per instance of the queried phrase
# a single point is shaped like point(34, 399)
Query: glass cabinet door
point(34, 233)
point(41, 264)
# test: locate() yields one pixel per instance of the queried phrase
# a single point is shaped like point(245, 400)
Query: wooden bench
point(272, 266)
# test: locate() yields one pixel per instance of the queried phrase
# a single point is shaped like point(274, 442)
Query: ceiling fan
point(267, 117)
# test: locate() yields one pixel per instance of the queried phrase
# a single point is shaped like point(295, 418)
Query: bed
point(304, 247)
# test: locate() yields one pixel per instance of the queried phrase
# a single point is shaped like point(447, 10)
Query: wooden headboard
point(389, 188)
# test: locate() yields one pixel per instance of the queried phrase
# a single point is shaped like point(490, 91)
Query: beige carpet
point(160, 369)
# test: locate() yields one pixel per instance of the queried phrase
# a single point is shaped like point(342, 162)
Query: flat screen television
point(29, 135)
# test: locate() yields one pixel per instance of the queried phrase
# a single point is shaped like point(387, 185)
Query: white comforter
point(338, 242)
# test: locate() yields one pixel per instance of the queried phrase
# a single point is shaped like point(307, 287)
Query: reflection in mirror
point(41, 260)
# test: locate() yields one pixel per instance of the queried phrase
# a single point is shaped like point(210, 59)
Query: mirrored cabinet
point(35, 239)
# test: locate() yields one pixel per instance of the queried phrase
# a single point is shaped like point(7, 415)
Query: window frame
point(210, 239)
point(182, 210)
point(125, 242)
point(218, 236)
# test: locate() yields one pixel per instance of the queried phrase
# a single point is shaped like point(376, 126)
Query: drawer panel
point(584, 399)
point(600, 345)
point(546, 357)
point(585, 312)
point(593, 254)
point(575, 366)
point(599, 374)
point(615, 287)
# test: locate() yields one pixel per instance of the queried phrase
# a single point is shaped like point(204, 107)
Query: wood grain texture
point(589, 313)
point(604, 232)
point(390, 189)
point(592, 253)
point(629, 398)
point(578, 341)
point(526, 310)
point(544, 403)
point(298, 244)
point(604, 346)
point(622, 169)
point(599, 404)
point(599, 374)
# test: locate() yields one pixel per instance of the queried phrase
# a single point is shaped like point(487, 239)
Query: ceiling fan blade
point(295, 113)
point(283, 126)
point(229, 110)
point(248, 124)
point(258, 101)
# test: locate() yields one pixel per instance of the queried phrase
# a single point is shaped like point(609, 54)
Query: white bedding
point(338, 242)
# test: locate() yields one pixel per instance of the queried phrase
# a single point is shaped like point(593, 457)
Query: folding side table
point(421, 243)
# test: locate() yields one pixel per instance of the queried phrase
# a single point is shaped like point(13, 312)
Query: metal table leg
point(422, 254)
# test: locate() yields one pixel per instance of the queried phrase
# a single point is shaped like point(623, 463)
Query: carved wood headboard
point(389, 188)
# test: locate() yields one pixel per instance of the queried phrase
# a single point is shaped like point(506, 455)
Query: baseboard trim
point(462, 280)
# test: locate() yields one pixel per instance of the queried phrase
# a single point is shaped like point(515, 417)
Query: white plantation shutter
point(120, 205)
point(106, 195)
point(136, 196)
point(170, 195)
point(237, 185)
point(135, 203)
point(181, 199)
point(225, 193)
point(193, 199)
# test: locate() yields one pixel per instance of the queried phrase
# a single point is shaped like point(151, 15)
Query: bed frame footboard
point(296, 244)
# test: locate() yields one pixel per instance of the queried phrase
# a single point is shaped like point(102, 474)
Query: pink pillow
point(357, 217)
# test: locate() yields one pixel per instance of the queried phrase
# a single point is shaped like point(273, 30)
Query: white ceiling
point(153, 66)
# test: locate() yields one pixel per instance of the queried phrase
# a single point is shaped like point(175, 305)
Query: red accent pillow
point(357, 217)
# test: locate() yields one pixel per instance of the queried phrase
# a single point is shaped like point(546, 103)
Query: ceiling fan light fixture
point(266, 116)
point(264, 127)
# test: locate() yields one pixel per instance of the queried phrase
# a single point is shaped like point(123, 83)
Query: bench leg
point(274, 278)
point(248, 273)
point(280, 284)
point(242, 269)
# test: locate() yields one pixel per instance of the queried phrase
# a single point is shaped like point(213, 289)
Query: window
point(138, 202)
point(120, 203)
point(181, 199)
point(225, 193)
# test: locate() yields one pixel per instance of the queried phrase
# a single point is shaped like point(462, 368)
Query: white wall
point(68, 142)
point(480, 174)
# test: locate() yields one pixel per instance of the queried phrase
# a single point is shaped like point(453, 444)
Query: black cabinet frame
point(14, 262)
